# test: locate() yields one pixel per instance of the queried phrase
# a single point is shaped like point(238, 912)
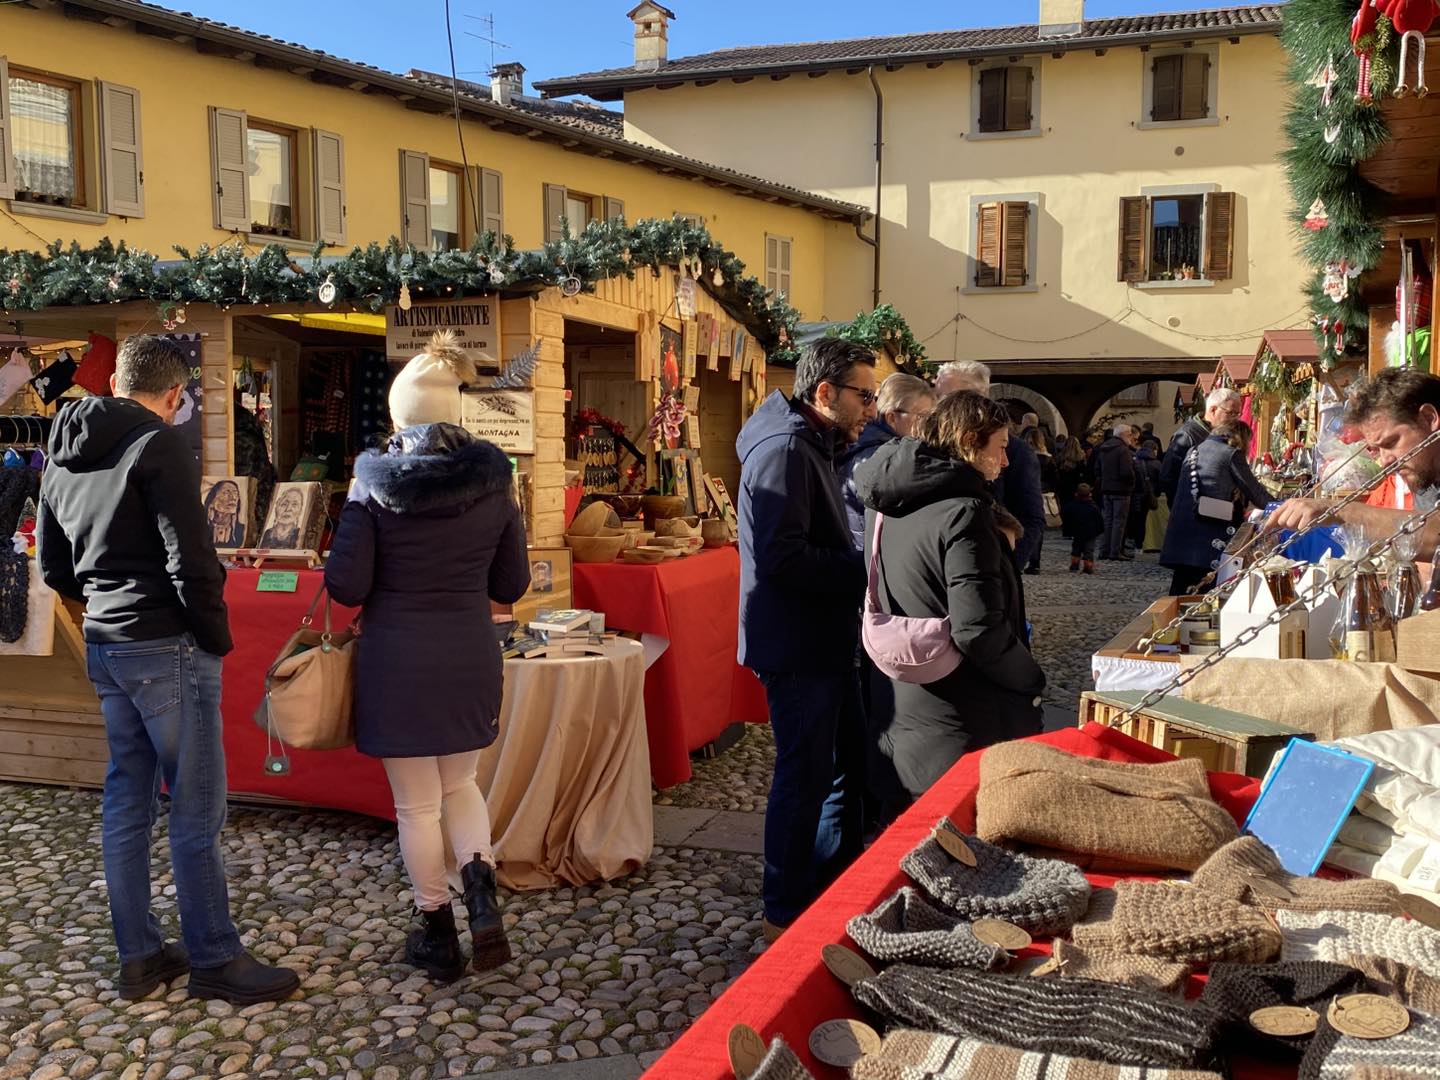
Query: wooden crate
point(1226, 741)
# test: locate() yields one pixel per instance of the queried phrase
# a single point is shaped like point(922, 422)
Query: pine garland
point(884, 328)
point(1316, 34)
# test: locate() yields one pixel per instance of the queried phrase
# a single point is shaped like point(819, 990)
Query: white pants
point(437, 800)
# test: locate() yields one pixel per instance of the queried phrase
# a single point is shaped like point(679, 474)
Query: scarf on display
point(918, 1055)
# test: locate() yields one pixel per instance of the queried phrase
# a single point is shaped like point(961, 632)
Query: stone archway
point(1034, 401)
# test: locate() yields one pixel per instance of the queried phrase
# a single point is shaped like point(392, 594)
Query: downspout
point(874, 241)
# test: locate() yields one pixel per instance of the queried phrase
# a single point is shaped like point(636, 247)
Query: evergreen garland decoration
point(884, 328)
point(1316, 34)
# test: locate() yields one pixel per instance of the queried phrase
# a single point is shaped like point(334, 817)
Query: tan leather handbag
point(309, 700)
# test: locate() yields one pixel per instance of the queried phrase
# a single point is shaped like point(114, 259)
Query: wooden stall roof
point(1205, 381)
point(1236, 368)
point(1289, 346)
point(1184, 395)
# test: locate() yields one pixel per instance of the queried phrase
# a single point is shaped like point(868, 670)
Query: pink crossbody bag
point(908, 649)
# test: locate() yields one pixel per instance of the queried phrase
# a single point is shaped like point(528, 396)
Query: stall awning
point(1236, 369)
point(354, 322)
point(1205, 381)
point(1185, 395)
point(1289, 346)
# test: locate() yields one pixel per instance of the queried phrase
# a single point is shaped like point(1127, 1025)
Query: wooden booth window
point(274, 171)
point(1002, 244)
point(1005, 98)
point(44, 125)
point(1180, 87)
point(1177, 237)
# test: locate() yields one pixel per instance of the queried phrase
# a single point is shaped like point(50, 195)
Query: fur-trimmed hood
point(432, 469)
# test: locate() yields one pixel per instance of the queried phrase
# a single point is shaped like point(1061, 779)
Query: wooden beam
point(1101, 52)
point(206, 47)
point(742, 78)
point(706, 82)
point(817, 74)
point(933, 64)
point(893, 67)
point(780, 76)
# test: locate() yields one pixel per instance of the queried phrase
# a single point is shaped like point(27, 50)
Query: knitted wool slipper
point(1178, 922)
point(905, 927)
point(1125, 816)
point(1044, 896)
point(1128, 969)
point(1237, 990)
point(1235, 869)
point(1092, 1020)
point(1333, 935)
point(1413, 1054)
point(780, 1063)
point(919, 1055)
point(1405, 984)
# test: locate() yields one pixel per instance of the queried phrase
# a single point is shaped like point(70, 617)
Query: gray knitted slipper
point(905, 927)
point(780, 1063)
point(1045, 896)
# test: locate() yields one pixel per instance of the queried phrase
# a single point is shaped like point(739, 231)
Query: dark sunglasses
point(867, 397)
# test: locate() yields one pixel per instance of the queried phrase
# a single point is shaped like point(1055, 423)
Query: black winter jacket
point(1190, 435)
point(942, 554)
point(429, 537)
point(121, 527)
point(1115, 467)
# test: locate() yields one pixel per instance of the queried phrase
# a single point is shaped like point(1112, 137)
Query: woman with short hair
point(904, 401)
point(944, 553)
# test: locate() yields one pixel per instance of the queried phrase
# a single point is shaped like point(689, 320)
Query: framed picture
point(672, 346)
point(289, 526)
point(542, 576)
point(229, 509)
point(697, 485)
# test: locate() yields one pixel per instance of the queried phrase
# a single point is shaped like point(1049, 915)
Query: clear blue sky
point(565, 37)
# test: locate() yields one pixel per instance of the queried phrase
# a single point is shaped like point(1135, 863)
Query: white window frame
point(1147, 88)
point(972, 248)
point(1036, 66)
point(1161, 191)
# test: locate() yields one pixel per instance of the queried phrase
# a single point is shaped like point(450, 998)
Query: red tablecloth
point(695, 690)
point(261, 623)
point(788, 990)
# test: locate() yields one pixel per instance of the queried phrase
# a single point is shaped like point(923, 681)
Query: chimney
point(507, 81)
point(1061, 18)
point(652, 23)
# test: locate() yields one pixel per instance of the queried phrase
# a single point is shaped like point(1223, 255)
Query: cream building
point(1088, 205)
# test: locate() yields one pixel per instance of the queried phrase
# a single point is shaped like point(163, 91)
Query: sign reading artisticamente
point(503, 417)
point(475, 319)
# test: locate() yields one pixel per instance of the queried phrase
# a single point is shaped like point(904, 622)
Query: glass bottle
point(1282, 586)
point(1369, 629)
point(1404, 590)
point(1430, 598)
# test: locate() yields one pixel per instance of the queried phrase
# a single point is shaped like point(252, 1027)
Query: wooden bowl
point(715, 531)
point(682, 527)
point(595, 549)
point(658, 507)
point(597, 519)
point(648, 556)
point(627, 506)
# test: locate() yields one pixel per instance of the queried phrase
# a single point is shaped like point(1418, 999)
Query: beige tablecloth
point(568, 780)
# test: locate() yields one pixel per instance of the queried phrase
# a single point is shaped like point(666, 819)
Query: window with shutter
point(992, 99)
point(1017, 98)
point(777, 264)
point(613, 208)
point(1006, 99)
point(273, 178)
point(120, 142)
point(1165, 99)
point(1219, 235)
point(7, 163)
point(447, 207)
point(555, 198)
point(1014, 243)
point(415, 198)
point(329, 187)
point(1195, 86)
point(47, 137)
point(1179, 88)
point(492, 210)
point(230, 168)
point(1133, 261)
point(987, 245)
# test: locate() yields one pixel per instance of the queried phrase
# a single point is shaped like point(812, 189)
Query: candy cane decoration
point(1420, 88)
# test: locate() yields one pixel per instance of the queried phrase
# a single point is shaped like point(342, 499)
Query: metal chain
point(1222, 591)
point(1348, 569)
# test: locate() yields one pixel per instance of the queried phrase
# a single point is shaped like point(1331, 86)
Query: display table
point(690, 608)
point(788, 990)
point(566, 781)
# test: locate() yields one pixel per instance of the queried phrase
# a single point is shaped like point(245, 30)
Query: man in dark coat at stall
point(1221, 405)
point(801, 585)
point(1115, 477)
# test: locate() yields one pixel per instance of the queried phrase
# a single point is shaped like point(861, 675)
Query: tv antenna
point(488, 36)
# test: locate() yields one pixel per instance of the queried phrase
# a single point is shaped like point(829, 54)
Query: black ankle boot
point(487, 932)
point(435, 946)
point(243, 981)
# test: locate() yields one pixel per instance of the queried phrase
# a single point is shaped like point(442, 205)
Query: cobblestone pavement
point(612, 971)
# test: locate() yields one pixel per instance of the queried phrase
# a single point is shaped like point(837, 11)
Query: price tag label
point(1286, 1020)
point(1368, 1016)
point(277, 581)
point(998, 932)
point(747, 1050)
point(1421, 910)
point(846, 965)
point(954, 846)
point(843, 1042)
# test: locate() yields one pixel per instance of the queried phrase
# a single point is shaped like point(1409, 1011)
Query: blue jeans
point(161, 703)
point(813, 818)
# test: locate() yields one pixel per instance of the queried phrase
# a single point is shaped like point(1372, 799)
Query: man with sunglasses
point(801, 585)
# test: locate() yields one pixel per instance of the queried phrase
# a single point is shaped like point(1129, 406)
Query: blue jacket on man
point(876, 434)
point(1018, 490)
point(801, 577)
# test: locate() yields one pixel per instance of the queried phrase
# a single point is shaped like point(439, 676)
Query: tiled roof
point(909, 48)
point(581, 128)
point(592, 118)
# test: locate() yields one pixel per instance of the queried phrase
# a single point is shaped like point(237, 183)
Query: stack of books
point(566, 632)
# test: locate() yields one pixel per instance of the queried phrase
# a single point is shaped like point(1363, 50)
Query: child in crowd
point(1082, 524)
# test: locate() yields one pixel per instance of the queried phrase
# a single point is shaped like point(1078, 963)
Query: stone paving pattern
point(605, 975)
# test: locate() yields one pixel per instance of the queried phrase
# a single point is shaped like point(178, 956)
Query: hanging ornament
point(718, 279)
point(625, 256)
point(180, 315)
point(327, 291)
point(1332, 132)
point(570, 286)
point(1362, 42)
point(113, 284)
point(405, 296)
point(1317, 217)
point(497, 274)
point(1336, 284)
point(697, 267)
point(14, 286)
point(1418, 38)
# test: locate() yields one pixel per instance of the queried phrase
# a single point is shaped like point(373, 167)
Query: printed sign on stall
point(503, 417)
point(475, 319)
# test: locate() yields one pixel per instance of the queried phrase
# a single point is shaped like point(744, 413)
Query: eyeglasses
point(867, 397)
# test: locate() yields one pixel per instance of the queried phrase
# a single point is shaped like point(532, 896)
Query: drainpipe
point(874, 241)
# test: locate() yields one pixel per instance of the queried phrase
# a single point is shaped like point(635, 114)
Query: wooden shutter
point(1165, 87)
point(612, 208)
point(1219, 235)
point(7, 161)
point(772, 263)
point(415, 198)
point(329, 187)
point(987, 246)
point(1195, 87)
point(1017, 98)
point(492, 210)
point(555, 195)
point(1134, 228)
point(992, 99)
point(230, 167)
point(120, 142)
point(1015, 243)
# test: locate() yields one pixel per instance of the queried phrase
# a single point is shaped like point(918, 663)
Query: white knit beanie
point(427, 390)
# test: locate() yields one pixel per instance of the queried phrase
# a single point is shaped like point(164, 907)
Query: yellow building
point(1086, 205)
